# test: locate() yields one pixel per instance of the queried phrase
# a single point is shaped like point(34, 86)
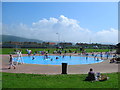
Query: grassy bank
point(13, 80)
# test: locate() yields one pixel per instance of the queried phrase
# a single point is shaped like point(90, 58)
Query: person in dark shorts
point(11, 62)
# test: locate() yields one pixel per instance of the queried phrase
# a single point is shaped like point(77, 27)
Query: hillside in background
point(7, 38)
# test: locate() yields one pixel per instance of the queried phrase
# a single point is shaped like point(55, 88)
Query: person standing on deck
point(11, 62)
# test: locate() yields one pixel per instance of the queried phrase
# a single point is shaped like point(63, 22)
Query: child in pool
point(57, 58)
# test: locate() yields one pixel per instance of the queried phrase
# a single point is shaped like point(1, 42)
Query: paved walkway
point(103, 67)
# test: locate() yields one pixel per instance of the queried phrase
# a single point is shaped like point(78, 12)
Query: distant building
point(31, 43)
point(52, 43)
point(15, 43)
point(65, 44)
point(11, 44)
point(49, 43)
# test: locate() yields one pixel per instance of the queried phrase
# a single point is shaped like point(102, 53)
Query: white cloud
point(107, 36)
point(69, 30)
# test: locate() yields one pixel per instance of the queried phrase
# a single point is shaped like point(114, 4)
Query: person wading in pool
point(86, 55)
point(51, 59)
point(97, 59)
point(46, 56)
point(63, 56)
point(57, 58)
point(33, 57)
point(95, 56)
point(70, 55)
point(92, 53)
point(101, 55)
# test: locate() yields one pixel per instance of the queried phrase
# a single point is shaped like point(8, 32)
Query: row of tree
point(118, 48)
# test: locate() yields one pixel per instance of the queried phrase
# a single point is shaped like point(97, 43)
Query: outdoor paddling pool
point(51, 60)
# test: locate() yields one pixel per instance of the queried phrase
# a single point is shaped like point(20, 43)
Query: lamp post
point(58, 37)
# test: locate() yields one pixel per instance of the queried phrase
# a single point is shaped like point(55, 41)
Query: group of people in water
point(98, 54)
point(29, 52)
point(83, 53)
point(46, 56)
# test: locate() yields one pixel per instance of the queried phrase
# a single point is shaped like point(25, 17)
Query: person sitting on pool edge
point(91, 75)
point(112, 60)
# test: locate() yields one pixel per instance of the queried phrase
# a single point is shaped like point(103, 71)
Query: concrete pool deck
point(103, 67)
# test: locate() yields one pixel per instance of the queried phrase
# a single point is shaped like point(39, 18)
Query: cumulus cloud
point(106, 36)
point(69, 30)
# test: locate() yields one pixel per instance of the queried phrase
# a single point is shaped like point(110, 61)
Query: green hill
point(7, 38)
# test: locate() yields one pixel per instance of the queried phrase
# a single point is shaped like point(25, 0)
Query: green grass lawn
point(13, 80)
point(10, 50)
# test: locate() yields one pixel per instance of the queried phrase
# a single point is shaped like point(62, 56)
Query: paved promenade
point(103, 67)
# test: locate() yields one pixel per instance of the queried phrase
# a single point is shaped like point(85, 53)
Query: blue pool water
point(73, 60)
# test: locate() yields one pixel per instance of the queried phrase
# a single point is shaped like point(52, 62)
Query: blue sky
point(95, 16)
